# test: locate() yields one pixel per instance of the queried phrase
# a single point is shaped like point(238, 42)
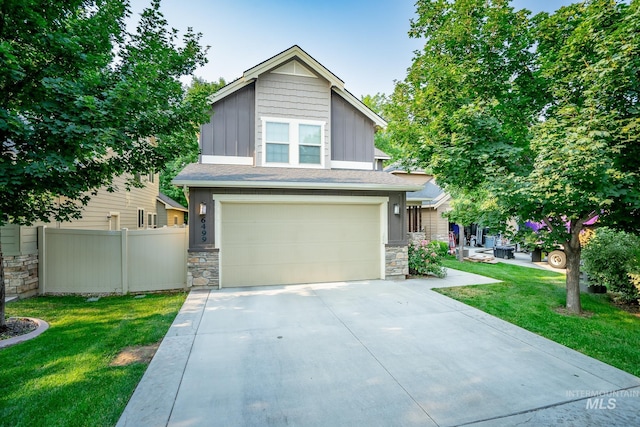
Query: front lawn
point(64, 377)
point(534, 299)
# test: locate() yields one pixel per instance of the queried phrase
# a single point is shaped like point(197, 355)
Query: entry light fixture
point(396, 209)
point(203, 208)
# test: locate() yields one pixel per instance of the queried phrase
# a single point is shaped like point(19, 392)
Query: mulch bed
point(17, 326)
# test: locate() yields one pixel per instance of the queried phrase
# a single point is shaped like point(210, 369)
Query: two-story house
point(288, 188)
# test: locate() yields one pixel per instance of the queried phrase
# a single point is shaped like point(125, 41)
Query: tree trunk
point(460, 242)
point(3, 322)
point(573, 250)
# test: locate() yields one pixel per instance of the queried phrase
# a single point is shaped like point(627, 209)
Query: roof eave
point(293, 185)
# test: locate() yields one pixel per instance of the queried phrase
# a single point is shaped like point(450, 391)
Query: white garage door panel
point(264, 244)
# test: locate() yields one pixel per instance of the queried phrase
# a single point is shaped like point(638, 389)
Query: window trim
point(141, 218)
point(294, 142)
point(152, 220)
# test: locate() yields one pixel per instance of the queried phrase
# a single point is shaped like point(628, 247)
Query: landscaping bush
point(609, 259)
point(425, 258)
point(440, 248)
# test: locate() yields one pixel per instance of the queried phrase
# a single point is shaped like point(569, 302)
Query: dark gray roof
point(431, 194)
point(431, 190)
point(240, 176)
point(170, 203)
point(379, 154)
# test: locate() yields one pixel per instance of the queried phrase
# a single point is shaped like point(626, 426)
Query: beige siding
point(435, 226)
point(294, 97)
point(167, 217)
point(126, 203)
point(415, 178)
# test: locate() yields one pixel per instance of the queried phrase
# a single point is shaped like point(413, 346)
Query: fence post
point(124, 249)
point(185, 251)
point(42, 253)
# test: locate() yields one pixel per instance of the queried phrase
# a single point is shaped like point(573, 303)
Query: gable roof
point(430, 195)
point(295, 52)
point(379, 154)
point(240, 176)
point(169, 203)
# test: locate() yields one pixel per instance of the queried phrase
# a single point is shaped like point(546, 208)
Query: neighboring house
point(379, 159)
point(286, 190)
point(170, 212)
point(425, 206)
point(134, 209)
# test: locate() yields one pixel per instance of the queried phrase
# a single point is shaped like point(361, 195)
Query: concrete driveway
point(375, 353)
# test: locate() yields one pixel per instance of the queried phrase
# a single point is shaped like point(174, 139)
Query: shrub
point(440, 248)
point(425, 258)
point(608, 259)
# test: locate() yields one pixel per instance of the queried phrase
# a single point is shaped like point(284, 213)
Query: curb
point(42, 326)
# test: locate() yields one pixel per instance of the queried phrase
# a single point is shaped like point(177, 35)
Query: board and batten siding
point(230, 131)
point(352, 132)
point(293, 97)
point(126, 203)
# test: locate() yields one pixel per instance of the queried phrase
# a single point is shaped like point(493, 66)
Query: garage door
point(286, 243)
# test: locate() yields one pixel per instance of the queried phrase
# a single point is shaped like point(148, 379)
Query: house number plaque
point(203, 226)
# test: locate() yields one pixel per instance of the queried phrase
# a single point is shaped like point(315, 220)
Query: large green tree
point(382, 139)
point(542, 113)
point(80, 97)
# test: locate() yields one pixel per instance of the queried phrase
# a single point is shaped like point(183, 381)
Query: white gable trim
point(227, 160)
point(340, 164)
point(295, 53)
point(294, 68)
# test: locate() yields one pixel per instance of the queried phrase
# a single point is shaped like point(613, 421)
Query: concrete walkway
point(376, 353)
point(520, 258)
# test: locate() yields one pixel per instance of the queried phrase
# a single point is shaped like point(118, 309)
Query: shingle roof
point(295, 51)
point(170, 203)
point(430, 195)
point(379, 154)
point(240, 176)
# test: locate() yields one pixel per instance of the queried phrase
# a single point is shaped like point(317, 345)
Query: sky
point(363, 42)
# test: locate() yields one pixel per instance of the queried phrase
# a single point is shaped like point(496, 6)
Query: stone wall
point(396, 262)
point(416, 236)
point(203, 269)
point(21, 275)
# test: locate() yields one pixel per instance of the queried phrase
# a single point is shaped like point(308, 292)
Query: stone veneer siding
point(417, 236)
point(203, 269)
point(396, 262)
point(21, 275)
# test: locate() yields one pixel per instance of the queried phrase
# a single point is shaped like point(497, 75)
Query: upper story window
point(293, 142)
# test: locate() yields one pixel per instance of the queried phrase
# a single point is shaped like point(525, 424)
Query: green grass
point(63, 377)
point(533, 299)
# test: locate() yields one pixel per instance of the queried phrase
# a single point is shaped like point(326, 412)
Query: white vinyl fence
point(93, 261)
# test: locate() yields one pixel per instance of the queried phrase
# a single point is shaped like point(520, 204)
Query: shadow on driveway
point(374, 353)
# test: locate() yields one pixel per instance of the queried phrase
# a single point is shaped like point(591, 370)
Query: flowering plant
point(424, 259)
